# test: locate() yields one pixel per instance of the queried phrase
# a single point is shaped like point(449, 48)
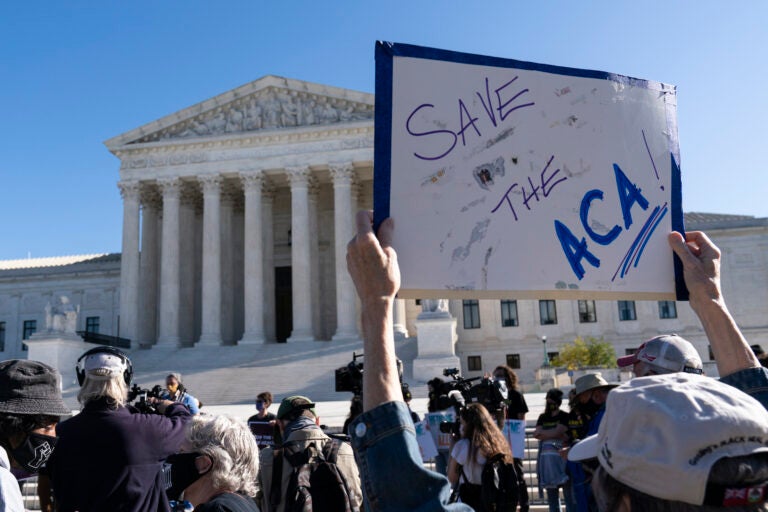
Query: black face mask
point(183, 473)
point(589, 408)
point(34, 451)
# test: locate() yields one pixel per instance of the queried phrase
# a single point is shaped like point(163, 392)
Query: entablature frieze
point(245, 148)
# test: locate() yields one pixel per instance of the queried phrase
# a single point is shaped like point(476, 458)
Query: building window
point(513, 361)
point(629, 351)
point(711, 354)
point(627, 310)
point(547, 312)
point(509, 313)
point(30, 327)
point(92, 324)
point(553, 355)
point(667, 309)
point(471, 314)
point(2, 336)
point(474, 363)
point(587, 312)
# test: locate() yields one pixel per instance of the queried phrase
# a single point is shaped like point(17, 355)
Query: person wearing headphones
point(110, 456)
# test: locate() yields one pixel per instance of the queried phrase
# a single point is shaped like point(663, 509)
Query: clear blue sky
point(76, 73)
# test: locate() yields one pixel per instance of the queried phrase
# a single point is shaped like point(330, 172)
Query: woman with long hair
point(480, 440)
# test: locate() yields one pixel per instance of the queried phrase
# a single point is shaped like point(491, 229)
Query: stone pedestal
point(436, 342)
point(546, 377)
point(60, 350)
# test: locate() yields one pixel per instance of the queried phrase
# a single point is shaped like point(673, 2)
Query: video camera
point(139, 397)
point(350, 377)
point(460, 391)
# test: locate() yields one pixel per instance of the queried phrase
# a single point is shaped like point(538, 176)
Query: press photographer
point(109, 457)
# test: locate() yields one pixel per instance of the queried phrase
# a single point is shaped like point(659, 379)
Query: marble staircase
point(236, 374)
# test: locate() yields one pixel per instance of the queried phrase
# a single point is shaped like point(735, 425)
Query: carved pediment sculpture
point(267, 109)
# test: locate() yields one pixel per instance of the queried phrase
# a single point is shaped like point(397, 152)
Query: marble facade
point(220, 195)
point(236, 216)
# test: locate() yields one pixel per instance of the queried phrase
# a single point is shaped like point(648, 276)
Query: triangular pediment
point(269, 103)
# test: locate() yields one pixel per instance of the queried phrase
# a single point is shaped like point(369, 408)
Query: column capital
point(342, 173)
point(150, 198)
point(129, 190)
point(211, 184)
point(170, 187)
point(298, 176)
point(252, 180)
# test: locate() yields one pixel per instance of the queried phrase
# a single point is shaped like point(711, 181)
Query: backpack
point(499, 487)
point(316, 484)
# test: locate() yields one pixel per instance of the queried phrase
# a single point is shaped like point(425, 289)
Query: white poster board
point(427, 445)
point(514, 431)
point(521, 180)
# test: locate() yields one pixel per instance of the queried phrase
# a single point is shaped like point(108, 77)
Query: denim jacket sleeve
point(752, 381)
point(391, 470)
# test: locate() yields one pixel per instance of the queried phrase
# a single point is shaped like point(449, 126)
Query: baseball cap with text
point(662, 434)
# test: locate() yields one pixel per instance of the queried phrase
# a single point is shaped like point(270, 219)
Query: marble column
point(314, 259)
point(300, 256)
point(399, 320)
point(268, 246)
point(149, 257)
point(253, 263)
point(129, 263)
point(187, 257)
point(211, 287)
point(227, 262)
point(169, 265)
point(343, 225)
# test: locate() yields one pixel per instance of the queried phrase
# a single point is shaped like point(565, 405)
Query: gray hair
point(742, 471)
point(231, 446)
point(114, 389)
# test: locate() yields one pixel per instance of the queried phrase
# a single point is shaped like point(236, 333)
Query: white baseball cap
point(104, 366)
point(662, 434)
point(667, 353)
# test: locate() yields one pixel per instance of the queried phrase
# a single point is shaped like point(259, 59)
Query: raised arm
point(373, 266)
point(391, 470)
point(701, 269)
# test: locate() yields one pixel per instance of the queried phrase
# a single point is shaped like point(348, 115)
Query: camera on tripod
point(139, 397)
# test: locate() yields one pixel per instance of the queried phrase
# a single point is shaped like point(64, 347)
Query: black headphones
point(104, 349)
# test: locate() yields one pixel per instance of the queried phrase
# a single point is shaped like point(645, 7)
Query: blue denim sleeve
point(752, 381)
point(391, 471)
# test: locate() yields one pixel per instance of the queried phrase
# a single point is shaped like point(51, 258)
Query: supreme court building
point(236, 215)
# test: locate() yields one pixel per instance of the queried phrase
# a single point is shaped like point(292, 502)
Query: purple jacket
point(110, 459)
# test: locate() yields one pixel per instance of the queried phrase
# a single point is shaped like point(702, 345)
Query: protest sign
point(426, 442)
point(510, 179)
point(514, 431)
point(263, 432)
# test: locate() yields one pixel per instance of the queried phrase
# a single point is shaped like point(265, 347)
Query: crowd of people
point(670, 439)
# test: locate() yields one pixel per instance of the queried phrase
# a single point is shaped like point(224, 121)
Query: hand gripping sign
point(514, 179)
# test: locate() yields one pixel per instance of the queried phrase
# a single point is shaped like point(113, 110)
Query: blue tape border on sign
point(385, 54)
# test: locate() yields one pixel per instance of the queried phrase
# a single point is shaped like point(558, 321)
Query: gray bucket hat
point(30, 387)
point(591, 381)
